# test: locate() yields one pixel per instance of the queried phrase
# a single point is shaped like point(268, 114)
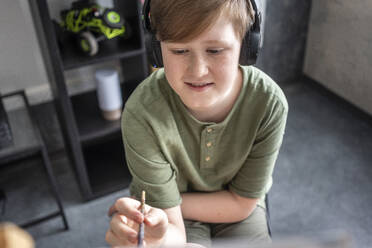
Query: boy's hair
point(183, 20)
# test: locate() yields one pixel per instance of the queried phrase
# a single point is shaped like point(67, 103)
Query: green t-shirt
point(169, 152)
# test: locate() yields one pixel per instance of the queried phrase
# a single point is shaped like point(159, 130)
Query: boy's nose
point(198, 67)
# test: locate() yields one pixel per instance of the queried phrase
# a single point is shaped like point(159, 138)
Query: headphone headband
point(146, 16)
point(256, 26)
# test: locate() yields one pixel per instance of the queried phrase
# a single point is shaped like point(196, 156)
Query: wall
point(21, 62)
point(21, 65)
point(285, 37)
point(339, 49)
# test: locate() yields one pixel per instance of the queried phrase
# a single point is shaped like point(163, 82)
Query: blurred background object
point(334, 239)
point(109, 93)
point(339, 49)
point(12, 236)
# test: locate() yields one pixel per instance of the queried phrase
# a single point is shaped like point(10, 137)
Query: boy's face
point(204, 72)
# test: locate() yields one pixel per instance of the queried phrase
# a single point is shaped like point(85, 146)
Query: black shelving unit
point(94, 145)
point(28, 143)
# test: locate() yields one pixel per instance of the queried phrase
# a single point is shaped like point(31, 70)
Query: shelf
point(106, 167)
point(86, 134)
point(93, 128)
point(116, 48)
point(25, 142)
point(110, 51)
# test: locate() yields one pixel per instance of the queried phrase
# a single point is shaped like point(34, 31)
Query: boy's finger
point(114, 240)
point(127, 207)
point(155, 217)
point(122, 230)
point(111, 211)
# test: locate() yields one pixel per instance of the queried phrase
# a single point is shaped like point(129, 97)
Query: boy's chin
point(199, 106)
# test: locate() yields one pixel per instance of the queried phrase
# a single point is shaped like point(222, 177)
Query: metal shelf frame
point(14, 153)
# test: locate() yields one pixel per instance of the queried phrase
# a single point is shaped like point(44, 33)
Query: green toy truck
point(91, 24)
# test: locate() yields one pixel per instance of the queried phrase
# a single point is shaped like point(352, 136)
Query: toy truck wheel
point(112, 18)
point(88, 43)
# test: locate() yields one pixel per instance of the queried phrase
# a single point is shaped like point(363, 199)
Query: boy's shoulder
point(262, 85)
point(149, 93)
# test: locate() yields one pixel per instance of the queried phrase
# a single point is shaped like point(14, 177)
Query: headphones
point(251, 43)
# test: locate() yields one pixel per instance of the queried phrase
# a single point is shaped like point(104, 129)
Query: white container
point(109, 93)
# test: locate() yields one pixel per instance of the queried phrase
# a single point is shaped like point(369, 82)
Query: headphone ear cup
point(156, 51)
point(153, 50)
point(244, 53)
point(149, 52)
point(250, 48)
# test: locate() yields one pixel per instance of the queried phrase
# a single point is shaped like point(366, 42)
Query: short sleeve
point(255, 177)
point(149, 170)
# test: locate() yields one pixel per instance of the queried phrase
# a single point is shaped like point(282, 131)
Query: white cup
point(109, 94)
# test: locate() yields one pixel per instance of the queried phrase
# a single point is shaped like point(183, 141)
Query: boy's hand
point(125, 221)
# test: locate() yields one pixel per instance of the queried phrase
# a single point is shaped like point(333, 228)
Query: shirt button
point(207, 158)
point(209, 144)
point(209, 130)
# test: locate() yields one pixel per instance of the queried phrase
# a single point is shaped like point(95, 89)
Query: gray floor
point(322, 180)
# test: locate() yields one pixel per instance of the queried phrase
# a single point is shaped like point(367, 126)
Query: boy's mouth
point(198, 85)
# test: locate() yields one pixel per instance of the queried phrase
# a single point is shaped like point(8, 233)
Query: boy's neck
point(219, 112)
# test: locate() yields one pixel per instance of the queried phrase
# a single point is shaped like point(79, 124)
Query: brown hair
point(183, 20)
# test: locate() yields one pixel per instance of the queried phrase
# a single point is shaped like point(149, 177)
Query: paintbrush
point(141, 232)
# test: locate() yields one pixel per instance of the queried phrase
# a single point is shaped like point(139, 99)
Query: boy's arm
point(217, 207)
point(176, 230)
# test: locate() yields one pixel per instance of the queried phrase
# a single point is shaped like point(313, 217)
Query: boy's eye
point(179, 51)
point(214, 51)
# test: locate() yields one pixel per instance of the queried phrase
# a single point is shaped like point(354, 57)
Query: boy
point(201, 135)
